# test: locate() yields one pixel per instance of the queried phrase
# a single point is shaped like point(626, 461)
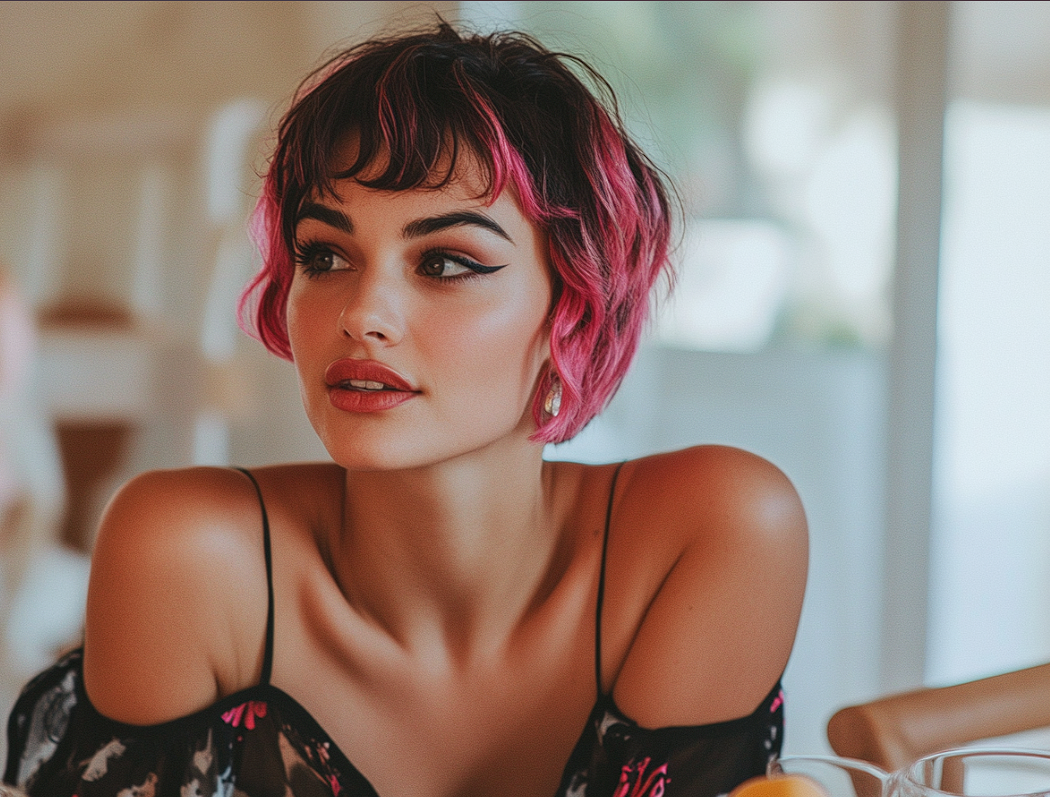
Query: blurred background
point(863, 292)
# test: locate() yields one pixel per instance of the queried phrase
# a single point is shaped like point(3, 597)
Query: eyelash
point(475, 269)
point(306, 251)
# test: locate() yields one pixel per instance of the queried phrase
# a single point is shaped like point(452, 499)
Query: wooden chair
point(894, 731)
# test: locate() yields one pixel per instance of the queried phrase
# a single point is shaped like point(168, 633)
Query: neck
point(452, 555)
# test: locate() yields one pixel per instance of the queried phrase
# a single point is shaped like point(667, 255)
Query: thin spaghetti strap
point(267, 666)
point(601, 583)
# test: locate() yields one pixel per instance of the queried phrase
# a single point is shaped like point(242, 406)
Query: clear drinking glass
point(977, 772)
point(837, 776)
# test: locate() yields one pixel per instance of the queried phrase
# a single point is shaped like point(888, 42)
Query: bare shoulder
point(177, 598)
point(716, 490)
point(720, 543)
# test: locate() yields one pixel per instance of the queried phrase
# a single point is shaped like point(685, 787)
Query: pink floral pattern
point(246, 712)
point(636, 780)
point(778, 701)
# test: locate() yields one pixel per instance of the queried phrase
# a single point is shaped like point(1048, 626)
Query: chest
point(484, 735)
point(505, 726)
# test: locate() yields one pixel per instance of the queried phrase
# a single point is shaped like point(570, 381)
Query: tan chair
point(894, 731)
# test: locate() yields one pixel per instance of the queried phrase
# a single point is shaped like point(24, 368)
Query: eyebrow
point(414, 229)
point(459, 218)
point(326, 215)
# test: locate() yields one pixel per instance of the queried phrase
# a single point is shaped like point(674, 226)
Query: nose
point(372, 312)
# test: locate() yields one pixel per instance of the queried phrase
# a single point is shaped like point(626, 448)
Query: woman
point(459, 245)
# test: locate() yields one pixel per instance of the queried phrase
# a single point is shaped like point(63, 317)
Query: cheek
point(303, 320)
point(292, 312)
point(307, 339)
point(298, 338)
point(506, 347)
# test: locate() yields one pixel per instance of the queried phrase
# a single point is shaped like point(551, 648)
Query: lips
point(366, 386)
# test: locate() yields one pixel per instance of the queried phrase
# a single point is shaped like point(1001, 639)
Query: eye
point(441, 265)
point(438, 264)
point(315, 258)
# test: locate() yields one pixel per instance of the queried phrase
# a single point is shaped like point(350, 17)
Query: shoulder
point(714, 492)
point(711, 543)
point(177, 516)
point(177, 598)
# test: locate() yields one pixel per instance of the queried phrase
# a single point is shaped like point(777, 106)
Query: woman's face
point(418, 322)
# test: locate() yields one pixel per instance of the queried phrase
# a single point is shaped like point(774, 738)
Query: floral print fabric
point(617, 758)
point(257, 743)
point(262, 743)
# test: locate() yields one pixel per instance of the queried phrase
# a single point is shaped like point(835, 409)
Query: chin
point(369, 458)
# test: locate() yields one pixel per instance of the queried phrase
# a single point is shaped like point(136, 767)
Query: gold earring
point(552, 403)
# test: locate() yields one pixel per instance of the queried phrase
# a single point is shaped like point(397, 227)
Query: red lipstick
point(366, 386)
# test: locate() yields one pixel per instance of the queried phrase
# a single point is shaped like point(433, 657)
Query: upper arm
point(172, 599)
point(730, 550)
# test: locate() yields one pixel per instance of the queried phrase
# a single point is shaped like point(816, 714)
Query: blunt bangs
point(408, 109)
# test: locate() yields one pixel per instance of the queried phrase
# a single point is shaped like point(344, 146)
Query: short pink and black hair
point(413, 103)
